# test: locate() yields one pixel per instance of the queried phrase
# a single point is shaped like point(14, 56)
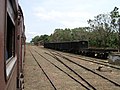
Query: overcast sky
point(44, 16)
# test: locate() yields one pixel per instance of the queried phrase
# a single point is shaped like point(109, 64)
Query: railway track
point(87, 87)
point(43, 70)
point(89, 59)
point(102, 76)
point(79, 77)
point(88, 69)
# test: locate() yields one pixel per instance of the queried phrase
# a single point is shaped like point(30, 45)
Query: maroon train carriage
point(20, 47)
point(12, 44)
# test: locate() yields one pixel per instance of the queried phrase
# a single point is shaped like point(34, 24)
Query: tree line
point(102, 32)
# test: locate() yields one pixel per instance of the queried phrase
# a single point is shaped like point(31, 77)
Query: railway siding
point(94, 79)
point(60, 79)
point(62, 74)
point(107, 71)
point(34, 76)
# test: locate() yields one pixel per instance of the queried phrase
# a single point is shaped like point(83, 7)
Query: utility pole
point(119, 35)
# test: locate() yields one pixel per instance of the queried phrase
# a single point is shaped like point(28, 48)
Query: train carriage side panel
point(7, 47)
point(2, 37)
point(11, 61)
point(8, 40)
point(20, 46)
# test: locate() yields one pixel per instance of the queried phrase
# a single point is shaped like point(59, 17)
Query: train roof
point(68, 41)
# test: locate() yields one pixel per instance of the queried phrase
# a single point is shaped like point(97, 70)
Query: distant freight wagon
point(79, 47)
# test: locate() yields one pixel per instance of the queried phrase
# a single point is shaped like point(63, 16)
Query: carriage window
point(10, 39)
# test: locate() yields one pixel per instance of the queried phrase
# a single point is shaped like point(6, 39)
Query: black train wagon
point(68, 46)
point(64, 46)
point(78, 46)
point(49, 45)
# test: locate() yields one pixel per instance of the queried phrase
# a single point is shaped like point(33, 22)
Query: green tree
point(61, 35)
point(116, 24)
point(79, 33)
point(35, 40)
point(103, 30)
point(43, 38)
